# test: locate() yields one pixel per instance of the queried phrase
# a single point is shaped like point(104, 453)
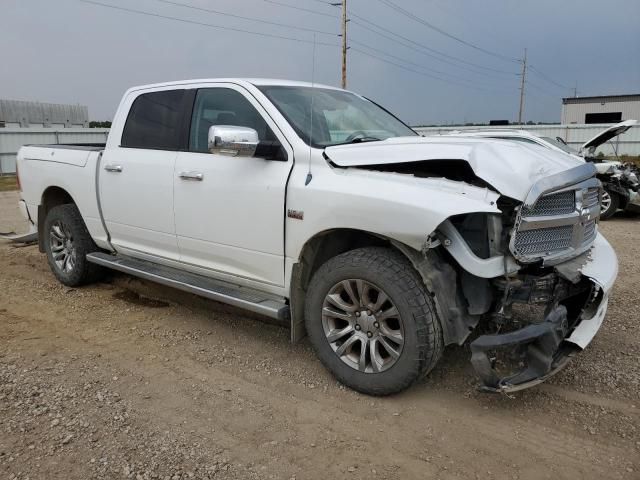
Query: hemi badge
point(297, 214)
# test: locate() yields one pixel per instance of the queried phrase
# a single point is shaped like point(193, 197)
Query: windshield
point(339, 117)
point(560, 145)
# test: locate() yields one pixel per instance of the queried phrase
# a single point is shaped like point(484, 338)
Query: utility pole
point(522, 84)
point(344, 43)
point(575, 90)
point(343, 4)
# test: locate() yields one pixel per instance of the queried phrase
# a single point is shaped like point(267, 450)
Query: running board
point(224, 292)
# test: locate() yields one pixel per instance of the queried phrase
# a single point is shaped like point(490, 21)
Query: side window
point(155, 121)
point(223, 106)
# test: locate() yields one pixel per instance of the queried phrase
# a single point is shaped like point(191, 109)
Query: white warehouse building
point(23, 123)
point(600, 109)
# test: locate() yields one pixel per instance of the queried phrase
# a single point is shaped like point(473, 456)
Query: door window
point(223, 106)
point(155, 121)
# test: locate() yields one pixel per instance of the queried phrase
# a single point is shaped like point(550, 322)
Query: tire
point(612, 207)
point(67, 243)
point(416, 323)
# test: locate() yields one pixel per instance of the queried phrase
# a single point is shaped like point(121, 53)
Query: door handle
point(192, 176)
point(113, 168)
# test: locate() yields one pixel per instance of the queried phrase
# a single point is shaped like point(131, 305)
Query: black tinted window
point(155, 121)
point(223, 106)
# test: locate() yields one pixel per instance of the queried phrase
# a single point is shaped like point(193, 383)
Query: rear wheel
point(609, 205)
point(67, 243)
point(372, 322)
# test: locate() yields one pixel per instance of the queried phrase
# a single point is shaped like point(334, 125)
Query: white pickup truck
point(315, 206)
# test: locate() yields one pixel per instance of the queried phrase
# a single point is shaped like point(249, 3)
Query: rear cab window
point(156, 121)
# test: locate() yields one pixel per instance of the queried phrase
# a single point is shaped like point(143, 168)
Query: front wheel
point(372, 322)
point(67, 242)
point(609, 205)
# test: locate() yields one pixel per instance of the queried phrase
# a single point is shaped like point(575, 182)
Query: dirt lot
point(126, 379)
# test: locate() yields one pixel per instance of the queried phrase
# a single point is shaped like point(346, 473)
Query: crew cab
point(316, 207)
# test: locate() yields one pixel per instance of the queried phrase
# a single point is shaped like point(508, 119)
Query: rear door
point(231, 222)
point(136, 177)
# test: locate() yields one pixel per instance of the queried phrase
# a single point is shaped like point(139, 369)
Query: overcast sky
point(67, 51)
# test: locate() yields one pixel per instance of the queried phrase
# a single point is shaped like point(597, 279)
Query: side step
point(223, 292)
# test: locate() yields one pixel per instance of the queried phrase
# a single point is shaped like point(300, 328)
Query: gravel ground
point(127, 379)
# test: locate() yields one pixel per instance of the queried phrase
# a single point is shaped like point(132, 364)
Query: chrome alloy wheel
point(62, 248)
point(362, 326)
point(605, 203)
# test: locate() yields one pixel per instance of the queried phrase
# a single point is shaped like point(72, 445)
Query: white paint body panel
point(137, 203)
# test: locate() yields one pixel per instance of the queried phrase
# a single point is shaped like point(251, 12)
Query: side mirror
point(233, 141)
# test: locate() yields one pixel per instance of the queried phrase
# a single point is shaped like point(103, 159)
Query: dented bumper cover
point(546, 347)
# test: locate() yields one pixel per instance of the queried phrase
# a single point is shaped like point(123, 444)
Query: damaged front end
point(535, 280)
point(533, 320)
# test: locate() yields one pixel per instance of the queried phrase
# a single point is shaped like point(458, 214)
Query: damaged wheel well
point(438, 272)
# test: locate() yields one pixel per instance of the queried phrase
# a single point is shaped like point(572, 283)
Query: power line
point(548, 79)
point(209, 25)
point(399, 65)
point(422, 21)
point(421, 46)
point(542, 90)
point(295, 7)
point(405, 61)
point(217, 12)
point(329, 4)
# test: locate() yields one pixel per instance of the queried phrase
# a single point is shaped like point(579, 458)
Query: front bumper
point(543, 349)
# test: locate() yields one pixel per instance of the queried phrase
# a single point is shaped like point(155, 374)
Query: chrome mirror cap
point(233, 141)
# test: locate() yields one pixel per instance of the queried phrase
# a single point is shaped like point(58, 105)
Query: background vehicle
point(315, 206)
point(620, 181)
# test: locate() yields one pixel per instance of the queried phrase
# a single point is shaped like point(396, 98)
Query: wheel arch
point(322, 247)
point(52, 196)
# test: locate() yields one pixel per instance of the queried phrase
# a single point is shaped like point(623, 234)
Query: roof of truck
point(241, 81)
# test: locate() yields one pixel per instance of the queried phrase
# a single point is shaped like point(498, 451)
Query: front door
point(229, 211)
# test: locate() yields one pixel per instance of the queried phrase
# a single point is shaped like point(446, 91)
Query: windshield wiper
point(364, 139)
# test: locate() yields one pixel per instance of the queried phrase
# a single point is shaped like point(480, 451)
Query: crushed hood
point(607, 134)
point(510, 168)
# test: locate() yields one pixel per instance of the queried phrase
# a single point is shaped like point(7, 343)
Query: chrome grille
point(589, 231)
point(557, 224)
point(560, 203)
point(543, 240)
point(591, 197)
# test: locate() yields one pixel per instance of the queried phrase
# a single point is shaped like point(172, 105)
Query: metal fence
point(11, 139)
point(574, 134)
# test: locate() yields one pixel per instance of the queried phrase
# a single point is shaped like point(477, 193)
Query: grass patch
point(8, 183)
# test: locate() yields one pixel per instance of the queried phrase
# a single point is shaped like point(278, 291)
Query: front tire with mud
point(372, 322)
point(67, 243)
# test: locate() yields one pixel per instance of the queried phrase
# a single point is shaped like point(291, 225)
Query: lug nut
point(357, 314)
point(376, 324)
point(358, 327)
point(369, 334)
